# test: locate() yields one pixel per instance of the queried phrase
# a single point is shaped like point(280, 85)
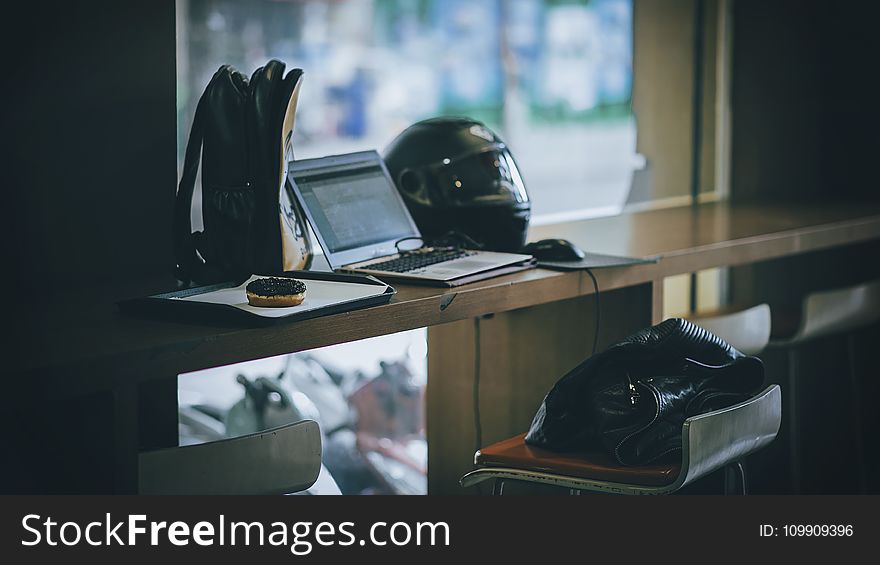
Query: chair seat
point(514, 452)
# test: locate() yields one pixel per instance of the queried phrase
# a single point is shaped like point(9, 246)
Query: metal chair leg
point(794, 443)
point(497, 487)
point(856, 411)
point(735, 479)
point(729, 480)
point(743, 477)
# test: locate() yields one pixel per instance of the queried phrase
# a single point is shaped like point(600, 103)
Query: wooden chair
point(718, 439)
point(281, 460)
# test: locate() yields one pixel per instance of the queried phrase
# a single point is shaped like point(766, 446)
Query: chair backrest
point(714, 439)
point(839, 310)
point(747, 330)
point(276, 461)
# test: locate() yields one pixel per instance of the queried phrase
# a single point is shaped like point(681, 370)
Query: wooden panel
point(522, 354)
point(663, 95)
point(663, 43)
point(449, 406)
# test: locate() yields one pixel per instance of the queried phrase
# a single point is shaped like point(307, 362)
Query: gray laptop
point(363, 224)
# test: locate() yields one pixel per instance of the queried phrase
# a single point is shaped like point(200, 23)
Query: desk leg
point(144, 418)
point(125, 433)
point(157, 414)
point(154, 423)
point(657, 301)
point(84, 440)
point(522, 354)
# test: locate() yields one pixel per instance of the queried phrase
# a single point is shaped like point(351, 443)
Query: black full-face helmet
point(456, 175)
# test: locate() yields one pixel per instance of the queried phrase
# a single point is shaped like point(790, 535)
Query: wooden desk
point(530, 327)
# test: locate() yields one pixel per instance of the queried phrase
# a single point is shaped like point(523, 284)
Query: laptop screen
point(352, 204)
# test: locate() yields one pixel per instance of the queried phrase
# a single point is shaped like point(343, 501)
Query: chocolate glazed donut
point(275, 292)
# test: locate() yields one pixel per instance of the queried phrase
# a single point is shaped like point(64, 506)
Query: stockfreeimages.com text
point(300, 537)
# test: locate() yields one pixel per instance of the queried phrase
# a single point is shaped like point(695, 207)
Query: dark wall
point(805, 99)
point(805, 127)
point(88, 147)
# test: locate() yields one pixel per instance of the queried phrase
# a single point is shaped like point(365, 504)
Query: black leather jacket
point(632, 399)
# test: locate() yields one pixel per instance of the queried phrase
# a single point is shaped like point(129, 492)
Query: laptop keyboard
point(418, 260)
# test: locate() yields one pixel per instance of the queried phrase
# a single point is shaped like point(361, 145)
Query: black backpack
point(242, 131)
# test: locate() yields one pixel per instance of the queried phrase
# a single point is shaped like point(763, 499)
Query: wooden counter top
point(87, 337)
point(711, 235)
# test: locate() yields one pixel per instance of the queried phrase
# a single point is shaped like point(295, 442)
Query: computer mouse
point(554, 250)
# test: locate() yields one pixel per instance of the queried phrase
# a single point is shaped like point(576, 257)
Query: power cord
point(478, 425)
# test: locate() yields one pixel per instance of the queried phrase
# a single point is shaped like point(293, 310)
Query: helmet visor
point(486, 178)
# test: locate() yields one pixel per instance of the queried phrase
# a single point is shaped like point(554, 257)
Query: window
point(552, 77)
point(367, 396)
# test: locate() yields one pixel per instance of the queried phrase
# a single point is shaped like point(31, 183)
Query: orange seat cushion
point(514, 452)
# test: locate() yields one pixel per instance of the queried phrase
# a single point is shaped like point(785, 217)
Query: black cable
point(596, 293)
point(402, 239)
point(478, 426)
